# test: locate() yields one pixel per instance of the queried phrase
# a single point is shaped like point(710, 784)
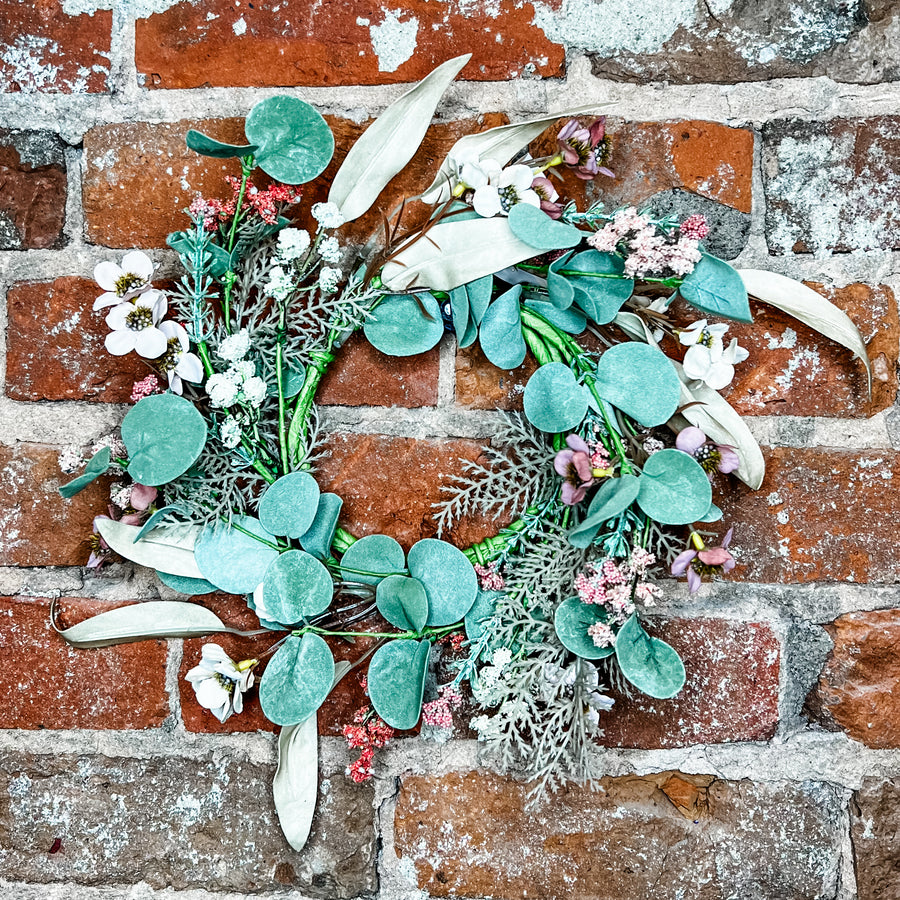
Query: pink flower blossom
point(711, 456)
point(574, 464)
point(490, 578)
point(602, 635)
point(703, 561)
point(694, 227)
point(144, 388)
point(548, 196)
point(585, 149)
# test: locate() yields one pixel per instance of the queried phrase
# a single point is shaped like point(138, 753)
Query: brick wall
point(776, 772)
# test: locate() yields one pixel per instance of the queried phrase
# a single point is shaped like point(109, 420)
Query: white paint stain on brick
point(393, 41)
point(140, 9)
point(28, 65)
point(239, 27)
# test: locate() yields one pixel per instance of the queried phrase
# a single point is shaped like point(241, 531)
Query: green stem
point(365, 572)
point(319, 362)
point(426, 634)
point(279, 375)
point(256, 537)
point(263, 470)
point(203, 350)
point(666, 282)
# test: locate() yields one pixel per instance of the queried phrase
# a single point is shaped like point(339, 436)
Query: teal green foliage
point(296, 586)
point(234, 561)
point(289, 505)
point(448, 577)
point(376, 553)
point(190, 586)
point(640, 380)
point(674, 489)
point(403, 602)
point(572, 620)
point(600, 298)
point(554, 401)
point(613, 497)
point(97, 466)
point(501, 331)
point(715, 287)
point(397, 681)
point(533, 226)
point(207, 146)
point(297, 680)
point(317, 540)
point(650, 664)
point(405, 324)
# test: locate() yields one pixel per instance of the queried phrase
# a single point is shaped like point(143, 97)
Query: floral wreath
point(617, 452)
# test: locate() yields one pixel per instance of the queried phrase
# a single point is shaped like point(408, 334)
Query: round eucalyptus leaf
point(288, 507)
point(713, 514)
point(449, 579)
point(317, 540)
point(650, 664)
point(403, 602)
point(501, 331)
point(640, 380)
point(483, 609)
point(294, 143)
point(231, 560)
point(601, 297)
point(459, 308)
point(207, 146)
point(560, 290)
point(297, 680)
point(674, 489)
point(292, 381)
point(397, 681)
point(554, 401)
point(164, 435)
point(479, 292)
point(399, 327)
point(296, 587)
point(569, 320)
point(377, 554)
point(715, 287)
point(193, 587)
point(614, 496)
point(531, 225)
point(572, 620)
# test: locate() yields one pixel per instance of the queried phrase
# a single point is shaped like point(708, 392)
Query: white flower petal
point(110, 298)
point(520, 177)
point(175, 385)
point(530, 197)
point(150, 342)
point(138, 263)
point(486, 202)
point(120, 342)
point(211, 694)
point(189, 368)
point(719, 375)
point(106, 274)
point(117, 317)
point(696, 362)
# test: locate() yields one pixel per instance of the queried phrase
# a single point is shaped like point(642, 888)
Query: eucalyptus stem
point(425, 634)
point(279, 376)
point(203, 350)
point(256, 537)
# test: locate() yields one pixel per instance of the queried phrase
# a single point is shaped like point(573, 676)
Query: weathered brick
point(733, 42)
point(821, 515)
point(32, 190)
point(43, 48)
point(481, 385)
point(135, 166)
point(337, 710)
point(206, 822)
point(38, 527)
point(48, 684)
point(230, 44)
point(657, 836)
point(795, 371)
point(856, 692)
point(832, 185)
point(874, 823)
point(389, 485)
point(363, 376)
point(58, 315)
point(731, 693)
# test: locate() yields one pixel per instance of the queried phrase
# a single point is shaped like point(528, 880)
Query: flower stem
point(279, 375)
point(425, 634)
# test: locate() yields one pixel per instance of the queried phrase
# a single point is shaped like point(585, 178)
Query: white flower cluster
point(219, 682)
point(328, 215)
point(329, 279)
point(230, 432)
point(491, 688)
point(292, 243)
point(330, 250)
point(280, 283)
point(239, 384)
point(235, 347)
point(707, 358)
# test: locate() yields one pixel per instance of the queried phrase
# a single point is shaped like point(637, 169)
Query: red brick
point(58, 316)
point(857, 692)
point(48, 684)
point(227, 44)
point(32, 190)
point(140, 177)
point(337, 710)
point(821, 515)
point(38, 527)
point(481, 385)
point(389, 485)
point(363, 376)
point(731, 692)
point(42, 48)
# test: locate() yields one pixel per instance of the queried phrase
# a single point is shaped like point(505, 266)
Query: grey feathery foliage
point(517, 474)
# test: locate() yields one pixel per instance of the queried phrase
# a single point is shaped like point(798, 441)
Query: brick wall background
point(776, 772)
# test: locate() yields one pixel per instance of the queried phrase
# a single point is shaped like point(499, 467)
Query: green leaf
point(484, 607)
point(674, 489)
point(479, 291)
point(714, 287)
point(403, 602)
point(533, 226)
point(294, 142)
point(641, 381)
point(399, 327)
point(97, 466)
point(560, 290)
point(650, 664)
point(468, 303)
point(191, 586)
point(164, 435)
point(293, 381)
point(207, 146)
point(231, 560)
point(167, 549)
point(149, 620)
point(554, 401)
point(317, 540)
point(295, 786)
point(397, 681)
point(219, 260)
point(376, 553)
point(297, 680)
point(390, 142)
point(614, 496)
point(713, 514)
point(501, 331)
point(155, 520)
point(810, 307)
point(449, 579)
point(288, 507)
point(296, 586)
point(572, 620)
point(601, 298)
point(454, 253)
point(569, 320)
